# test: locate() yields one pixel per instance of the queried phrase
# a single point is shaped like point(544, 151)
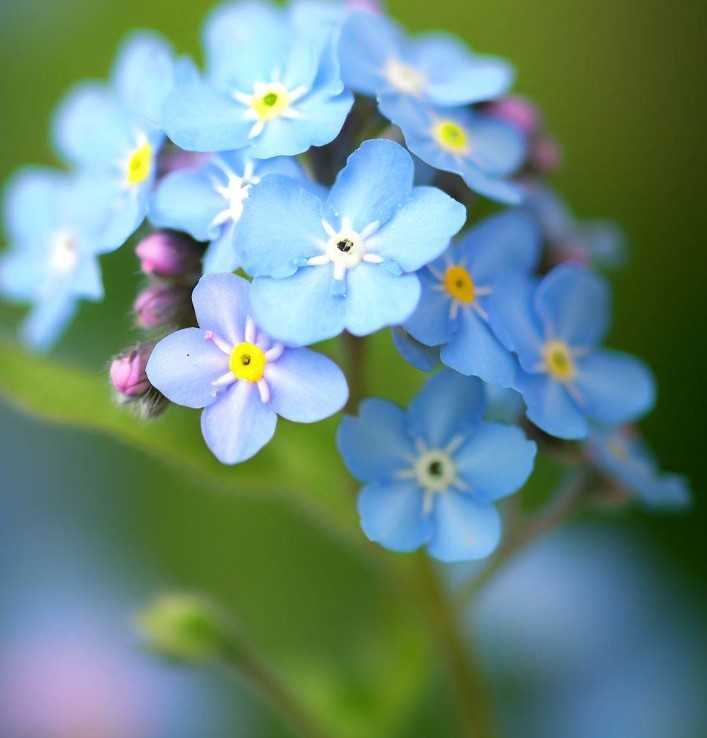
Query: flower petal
point(238, 425)
point(424, 358)
point(221, 304)
point(48, 319)
point(184, 364)
point(464, 529)
point(392, 515)
point(306, 386)
point(431, 322)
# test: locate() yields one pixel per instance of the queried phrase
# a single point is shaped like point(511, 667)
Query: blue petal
point(48, 319)
point(575, 304)
point(238, 425)
point(495, 460)
point(145, 74)
point(86, 278)
point(392, 515)
point(23, 270)
point(509, 241)
point(375, 445)
point(550, 406)
point(420, 230)
point(424, 358)
point(200, 118)
point(614, 387)
point(184, 364)
point(496, 147)
point(499, 190)
point(221, 304)
point(667, 491)
point(366, 42)
point(374, 184)
point(464, 529)
point(301, 309)
point(454, 75)
point(30, 206)
point(221, 254)
point(474, 350)
point(504, 405)
point(280, 228)
point(431, 322)
point(376, 297)
point(447, 404)
point(306, 386)
point(92, 128)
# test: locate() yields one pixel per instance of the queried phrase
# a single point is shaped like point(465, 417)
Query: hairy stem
point(474, 698)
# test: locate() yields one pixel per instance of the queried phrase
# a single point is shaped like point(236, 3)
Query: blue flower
point(241, 377)
point(481, 149)
point(56, 227)
point(348, 262)
point(424, 358)
point(378, 59)
point(555, 327)
point(114, 130)
point(623, 455)
point(433, 473)
point(267, 88)
point(207, 202)
point(596, 242)
point(457, 288)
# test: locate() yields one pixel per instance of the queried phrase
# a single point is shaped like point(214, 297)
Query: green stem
point(355, 360)
point(474, 697)
point(568, 501)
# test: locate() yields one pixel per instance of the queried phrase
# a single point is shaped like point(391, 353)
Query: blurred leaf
point(301, 464)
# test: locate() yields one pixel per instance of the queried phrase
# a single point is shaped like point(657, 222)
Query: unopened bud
point(519, 112)
point(168, 254)
point(545, 155)
point(127, 372)
point(185, 628)
point(161, 304)
point(371, 6)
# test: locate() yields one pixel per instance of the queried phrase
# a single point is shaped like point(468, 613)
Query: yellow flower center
point(558, 361)
point(247, 362)
point(459, 284)
point(271, 102)
point(140, 164)
point(451, 137)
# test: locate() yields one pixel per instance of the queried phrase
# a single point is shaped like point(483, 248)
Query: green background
point(622, 88)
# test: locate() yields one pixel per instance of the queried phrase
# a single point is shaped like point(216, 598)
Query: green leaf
point(301, 464)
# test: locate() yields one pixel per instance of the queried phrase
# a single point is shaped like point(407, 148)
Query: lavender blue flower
point(378, 59)
point(57, 227)
point(622, 454)
point(207, 202)
point(483, 150)
point(267, 88)
point(348, 262)
point(456, 290)
point(114, 130)
point(433, 473)
point(241, 377)
point(555, 327)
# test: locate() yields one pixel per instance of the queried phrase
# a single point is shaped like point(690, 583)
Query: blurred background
point(599, 631)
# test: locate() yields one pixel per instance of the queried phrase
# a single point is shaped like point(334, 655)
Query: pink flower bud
point(371, 6)
point(517, 111)
point(167, 254)
point(127, 372)
point(545, 155)
point(160, 305)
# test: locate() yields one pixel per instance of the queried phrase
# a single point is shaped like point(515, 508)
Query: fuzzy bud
point(127, 372)
point(167, 254)
point(160, 305)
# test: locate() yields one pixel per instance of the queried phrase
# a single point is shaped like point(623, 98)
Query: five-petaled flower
point(347, 262)
point(564, 376)
point(433, 473)
point(241, 377)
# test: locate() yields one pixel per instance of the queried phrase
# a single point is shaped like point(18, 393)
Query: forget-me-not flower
point(456, 288)
point(433, 473)
point(348, 262)
point(240, 377)
point(267, 88)
point(114, 130)
point(484, 151)
point(378, 59)
point(207, 202)
point(565, 377)
point(57, 227)
point(623, 455)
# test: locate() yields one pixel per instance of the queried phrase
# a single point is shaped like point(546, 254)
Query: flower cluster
point(331, 159)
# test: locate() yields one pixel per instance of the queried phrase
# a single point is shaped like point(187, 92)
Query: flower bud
point(520, 113)
point(167, 254)
point(545, 155)
point(127, 372)
point(185, 628)
point(161, 304)
point(371, 6)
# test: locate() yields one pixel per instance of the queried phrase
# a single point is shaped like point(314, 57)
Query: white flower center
point(404, 78)
point(235, 191)
point(63, 253)
point(435, 470)
point(269, 101)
